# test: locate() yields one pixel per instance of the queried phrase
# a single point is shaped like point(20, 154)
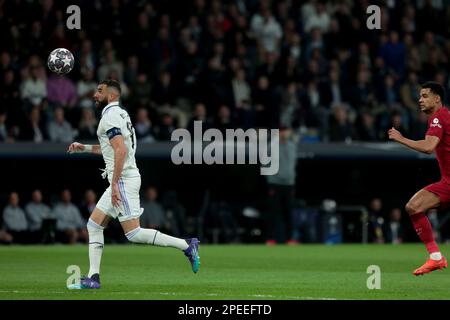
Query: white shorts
point(130, 206)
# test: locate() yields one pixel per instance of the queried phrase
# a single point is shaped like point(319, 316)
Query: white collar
point(110, 105)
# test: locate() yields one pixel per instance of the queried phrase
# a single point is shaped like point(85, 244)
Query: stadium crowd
point(311, 65)
point(44, 219)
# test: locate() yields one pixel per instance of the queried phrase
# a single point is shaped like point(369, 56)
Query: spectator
point(33, 89)
point(89, 204)
point(61, 91)
point(319, 18)
point(241, 89)
point(132, 70)
point(162, 50)
point(264, 104)
point(361, 92)
point(376, 220)
point(10, 98)
point(398, 122)
point(199, 115)
point(164, 91)
point(175, 213)
point(87, 55)
point(290, 106)
point(164, 131)
point(267, 31)
point(36, 212)
point(395, 232)
point(109, 65)
point(394, 54)
point(14, 220)
point(293, 48)
point(59, 130)
point(281, 191)
point(36, 41)
point(143, 127)
point(409, 93)
point(315, 115)
point(366, 128)
point(315, 40)
point(70, 225)
point(85, 90)
point(389, 94)
point(153, 216)
point(141, 90)
point(419, 127)
point(33, 130)
point(88, 125)
point(331, 91)
point(224, 119)
point(341, 128)
point(289, 72)
point(270, 68)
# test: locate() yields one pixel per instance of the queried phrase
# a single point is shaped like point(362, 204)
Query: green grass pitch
point(227, 272)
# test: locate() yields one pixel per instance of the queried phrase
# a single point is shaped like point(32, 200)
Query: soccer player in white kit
point(121, 199)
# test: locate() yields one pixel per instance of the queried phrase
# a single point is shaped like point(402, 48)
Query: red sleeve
point(436, 126)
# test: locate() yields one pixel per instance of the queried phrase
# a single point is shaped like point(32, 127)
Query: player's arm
point(426, 146)
point(77, 147)
point(120, 153)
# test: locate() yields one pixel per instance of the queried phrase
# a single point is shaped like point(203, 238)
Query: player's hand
point(394, 134)
point(75, 147)
point(115, 194)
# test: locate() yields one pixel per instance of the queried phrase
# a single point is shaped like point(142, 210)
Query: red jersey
point(439, 126)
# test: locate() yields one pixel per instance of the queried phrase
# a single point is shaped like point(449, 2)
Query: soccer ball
point(60, 61)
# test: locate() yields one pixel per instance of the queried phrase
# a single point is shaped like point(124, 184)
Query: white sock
point(154, 237)
point(96, 243)
point(436, 256)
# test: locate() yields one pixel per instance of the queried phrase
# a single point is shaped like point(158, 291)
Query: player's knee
point(92, 226)
point(133, 235)
point(412, 208)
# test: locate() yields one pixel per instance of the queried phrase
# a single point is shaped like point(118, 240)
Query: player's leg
point(95, 226)
point(416, 207)
point(98, 220)
point(129, 219)
point(136, 234)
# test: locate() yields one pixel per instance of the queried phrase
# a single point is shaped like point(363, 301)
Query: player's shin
point(425, 232)
point(96, 243)
point(154, 237)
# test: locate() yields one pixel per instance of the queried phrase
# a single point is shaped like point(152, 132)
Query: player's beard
point(100, 104)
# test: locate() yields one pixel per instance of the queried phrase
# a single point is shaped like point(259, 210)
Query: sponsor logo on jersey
point(435, 123)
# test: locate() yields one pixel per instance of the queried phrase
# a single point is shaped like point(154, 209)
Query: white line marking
point(168, 294)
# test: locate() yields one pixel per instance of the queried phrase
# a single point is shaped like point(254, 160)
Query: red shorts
point(442, 190)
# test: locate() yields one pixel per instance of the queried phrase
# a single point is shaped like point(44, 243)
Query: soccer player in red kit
point(437, 138)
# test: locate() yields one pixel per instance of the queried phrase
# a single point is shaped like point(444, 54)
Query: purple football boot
point(192, 253)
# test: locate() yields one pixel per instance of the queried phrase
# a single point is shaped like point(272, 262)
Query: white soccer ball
point(60, 61)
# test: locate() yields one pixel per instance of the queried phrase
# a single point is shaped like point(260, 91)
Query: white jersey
point(116, 121)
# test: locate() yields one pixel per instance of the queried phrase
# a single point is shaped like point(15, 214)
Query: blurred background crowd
point(39, 218)
point(310, 65)
point(50, 218)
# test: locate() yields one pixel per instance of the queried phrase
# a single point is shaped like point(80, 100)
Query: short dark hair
point(112, 83)
point(436, 88)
